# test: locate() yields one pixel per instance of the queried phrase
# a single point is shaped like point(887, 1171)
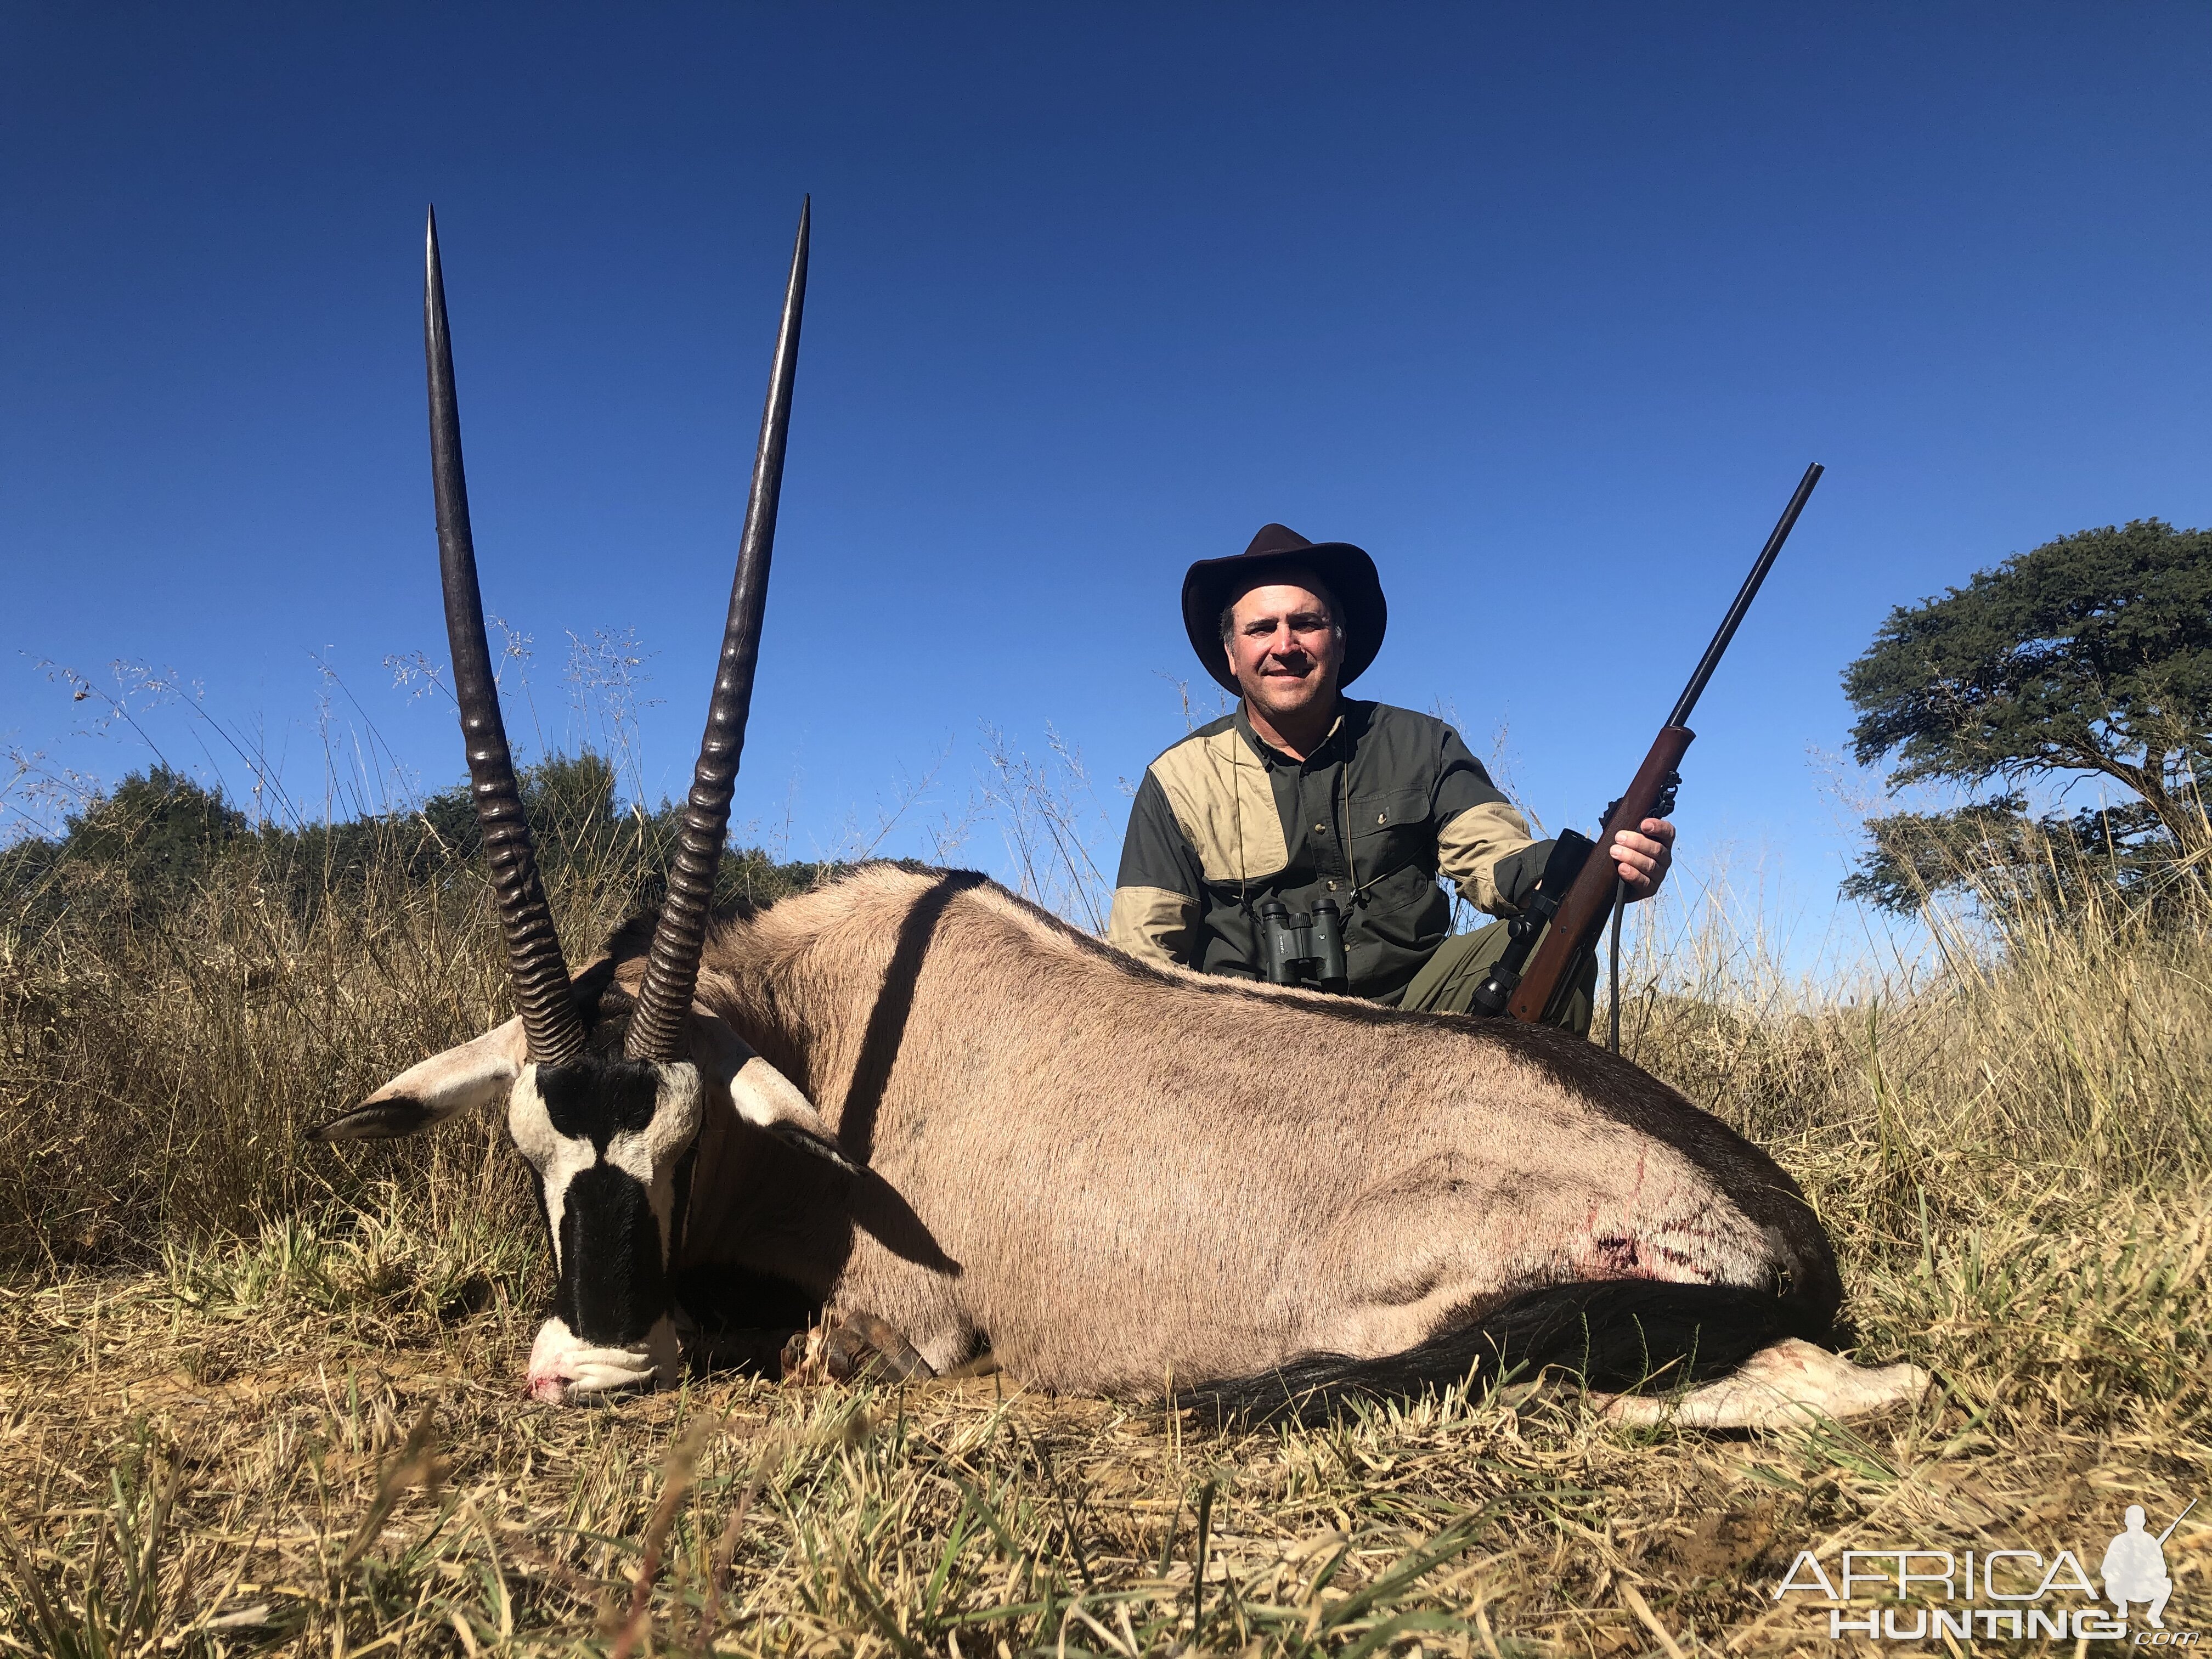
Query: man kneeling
point(1307, 799)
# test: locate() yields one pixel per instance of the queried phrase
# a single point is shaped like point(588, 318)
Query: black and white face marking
point(611, 1140)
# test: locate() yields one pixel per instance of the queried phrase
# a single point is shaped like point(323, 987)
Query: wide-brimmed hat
point(1347, 571)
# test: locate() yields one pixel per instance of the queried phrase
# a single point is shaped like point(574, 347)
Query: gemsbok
point(956, 1125)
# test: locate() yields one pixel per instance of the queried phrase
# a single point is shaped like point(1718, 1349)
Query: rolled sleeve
point(1483, 843)
point(1484, 850)
point(1153, 925)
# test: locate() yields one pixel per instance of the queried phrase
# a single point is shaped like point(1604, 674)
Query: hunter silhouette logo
point(2134, 1567)
point(1930, 1595)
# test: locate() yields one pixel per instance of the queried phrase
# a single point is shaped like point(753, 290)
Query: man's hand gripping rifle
point(1579, 890)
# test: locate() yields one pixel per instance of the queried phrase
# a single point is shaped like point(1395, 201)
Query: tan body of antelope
point(918, 1098)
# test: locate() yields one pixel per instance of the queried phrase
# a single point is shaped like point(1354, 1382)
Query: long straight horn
point(656, 1028)
point(533, 951)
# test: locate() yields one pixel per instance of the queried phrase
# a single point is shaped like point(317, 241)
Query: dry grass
point(260, 1397)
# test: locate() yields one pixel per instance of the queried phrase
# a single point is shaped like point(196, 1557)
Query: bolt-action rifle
point(1580, 889)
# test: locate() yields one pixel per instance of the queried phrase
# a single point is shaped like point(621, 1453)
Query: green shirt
point(1390, 800)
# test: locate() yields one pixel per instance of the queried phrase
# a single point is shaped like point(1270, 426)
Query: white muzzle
point(560, 1365)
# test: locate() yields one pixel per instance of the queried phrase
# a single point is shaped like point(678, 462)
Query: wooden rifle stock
point(1588, 903)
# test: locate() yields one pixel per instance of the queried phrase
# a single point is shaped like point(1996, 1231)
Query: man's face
point(1282, 648)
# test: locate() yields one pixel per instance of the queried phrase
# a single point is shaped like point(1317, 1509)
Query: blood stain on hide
point(1619, 1255)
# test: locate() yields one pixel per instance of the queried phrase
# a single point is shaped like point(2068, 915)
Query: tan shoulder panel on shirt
point(1218, 789)
point(1470, 846)
point(1152, 925)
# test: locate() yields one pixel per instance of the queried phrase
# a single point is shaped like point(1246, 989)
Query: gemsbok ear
point(474, 1075)
point(768, 1100)
point(764, 1096)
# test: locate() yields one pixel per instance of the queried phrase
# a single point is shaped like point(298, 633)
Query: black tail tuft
point(1615, 1334)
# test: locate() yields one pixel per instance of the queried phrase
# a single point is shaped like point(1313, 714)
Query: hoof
point(1790, 1384)
point(853, 1348)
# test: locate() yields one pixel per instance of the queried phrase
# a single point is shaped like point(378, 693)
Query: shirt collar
point(1274, 756)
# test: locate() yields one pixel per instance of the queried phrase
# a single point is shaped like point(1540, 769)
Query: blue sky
point(1546, 306)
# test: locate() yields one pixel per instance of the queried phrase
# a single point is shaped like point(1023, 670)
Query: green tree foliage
point(2089, 657)
point(158, 836)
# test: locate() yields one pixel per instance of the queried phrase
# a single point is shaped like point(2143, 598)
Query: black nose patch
point(613, 1284)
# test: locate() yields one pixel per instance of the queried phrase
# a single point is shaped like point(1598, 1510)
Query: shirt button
point(1321, 829)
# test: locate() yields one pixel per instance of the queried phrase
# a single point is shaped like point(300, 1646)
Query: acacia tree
point(2090, 656)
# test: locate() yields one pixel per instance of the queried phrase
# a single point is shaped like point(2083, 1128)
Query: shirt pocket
point(1390, 830)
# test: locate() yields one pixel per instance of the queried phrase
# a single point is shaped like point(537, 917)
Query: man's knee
point(1447, 982)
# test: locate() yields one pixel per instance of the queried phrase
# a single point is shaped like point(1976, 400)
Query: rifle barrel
point(1711, 660)
point(2177, 1520)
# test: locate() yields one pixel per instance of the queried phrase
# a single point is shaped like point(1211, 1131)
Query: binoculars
point(1298, 949)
